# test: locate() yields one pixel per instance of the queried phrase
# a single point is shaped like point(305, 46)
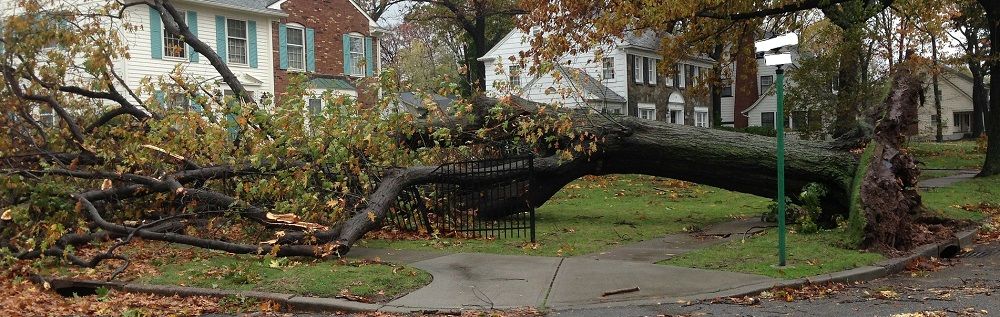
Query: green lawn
point(959, 201)
point(808, 255)
point(373, 281)
point(598, 213)
point(948, 155)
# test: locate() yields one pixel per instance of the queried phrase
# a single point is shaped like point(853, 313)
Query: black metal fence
point(477, 199)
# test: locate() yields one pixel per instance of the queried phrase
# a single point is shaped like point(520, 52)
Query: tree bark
point(889, 194)
point(992, 164)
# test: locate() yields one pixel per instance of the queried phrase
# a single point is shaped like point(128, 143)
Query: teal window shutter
point(369, 56)
point(161, 98)
point(310, 50)
point(347, 55)
point(192, 22)
point(155, 34)
point(252, 42)
point(220, 38)
point(197, 107)
point(282, 46)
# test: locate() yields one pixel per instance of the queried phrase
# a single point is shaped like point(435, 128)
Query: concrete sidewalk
point(485, 281)
point(948, 180)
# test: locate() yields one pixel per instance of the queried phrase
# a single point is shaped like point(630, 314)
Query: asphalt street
point(964, 287)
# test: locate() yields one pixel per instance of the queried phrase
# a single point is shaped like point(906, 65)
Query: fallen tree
point(304, 183)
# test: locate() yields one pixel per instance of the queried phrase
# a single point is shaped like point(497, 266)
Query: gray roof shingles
point(586, 83)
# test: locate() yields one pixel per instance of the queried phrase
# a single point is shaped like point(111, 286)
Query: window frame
point(309, 106)
point(302, 46)
point(727, 91)
point(514, 75)
point(246, 43)
point(763, 88)
point(680, 78)
point(701, 117)
point(637, 73)
point(47, 117)
point(171, 98)
point(357, 69)
point(773, 119)
point(166, 48)
point(644, 107)
point(651, 70)
point(608, 65)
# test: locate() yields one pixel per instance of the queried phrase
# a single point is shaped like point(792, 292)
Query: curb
point(959, 241)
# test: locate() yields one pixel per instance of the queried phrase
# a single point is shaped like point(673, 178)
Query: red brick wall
point(330, 19)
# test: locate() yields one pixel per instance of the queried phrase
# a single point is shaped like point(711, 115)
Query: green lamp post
point(778, 59)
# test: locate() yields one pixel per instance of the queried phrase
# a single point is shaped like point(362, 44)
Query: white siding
point(516, 43)
point(956, 96)
point(142, 65)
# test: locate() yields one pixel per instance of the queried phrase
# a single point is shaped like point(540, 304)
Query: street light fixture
point(771, 49)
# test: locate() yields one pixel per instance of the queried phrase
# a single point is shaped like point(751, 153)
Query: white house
point(956, 106)
point(238, 30)
point(623, 78)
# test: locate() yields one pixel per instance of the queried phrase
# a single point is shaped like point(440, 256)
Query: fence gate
point(478, 199)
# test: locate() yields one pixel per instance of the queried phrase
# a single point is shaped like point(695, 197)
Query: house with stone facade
point(751, 102)
point(624, 78)
point(334, 43)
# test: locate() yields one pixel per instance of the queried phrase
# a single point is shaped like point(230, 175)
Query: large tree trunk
point(992, 164)
point(979, 94)
point(889, 189)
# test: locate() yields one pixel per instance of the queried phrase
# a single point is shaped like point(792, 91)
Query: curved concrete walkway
point(485, 281)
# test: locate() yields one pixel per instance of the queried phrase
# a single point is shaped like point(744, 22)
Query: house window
point(637, 69)
point(609, 68)
point(680, 78)
point(963, 121)
point(177, 101)
point(296, 48)
point(46, 117)
point(767, 119)
point(514, 75)
point(613, 110)
point(173, 45)
point(358, 63)
point(765, 83)
point(727, 91)
point(647, 111)
point(236, 35)
point(315, 106)
point(651, 70)
point(701, 117)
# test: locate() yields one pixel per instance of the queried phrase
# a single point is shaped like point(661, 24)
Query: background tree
point(482, 22)
point(421, 57)
point(969, 20)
